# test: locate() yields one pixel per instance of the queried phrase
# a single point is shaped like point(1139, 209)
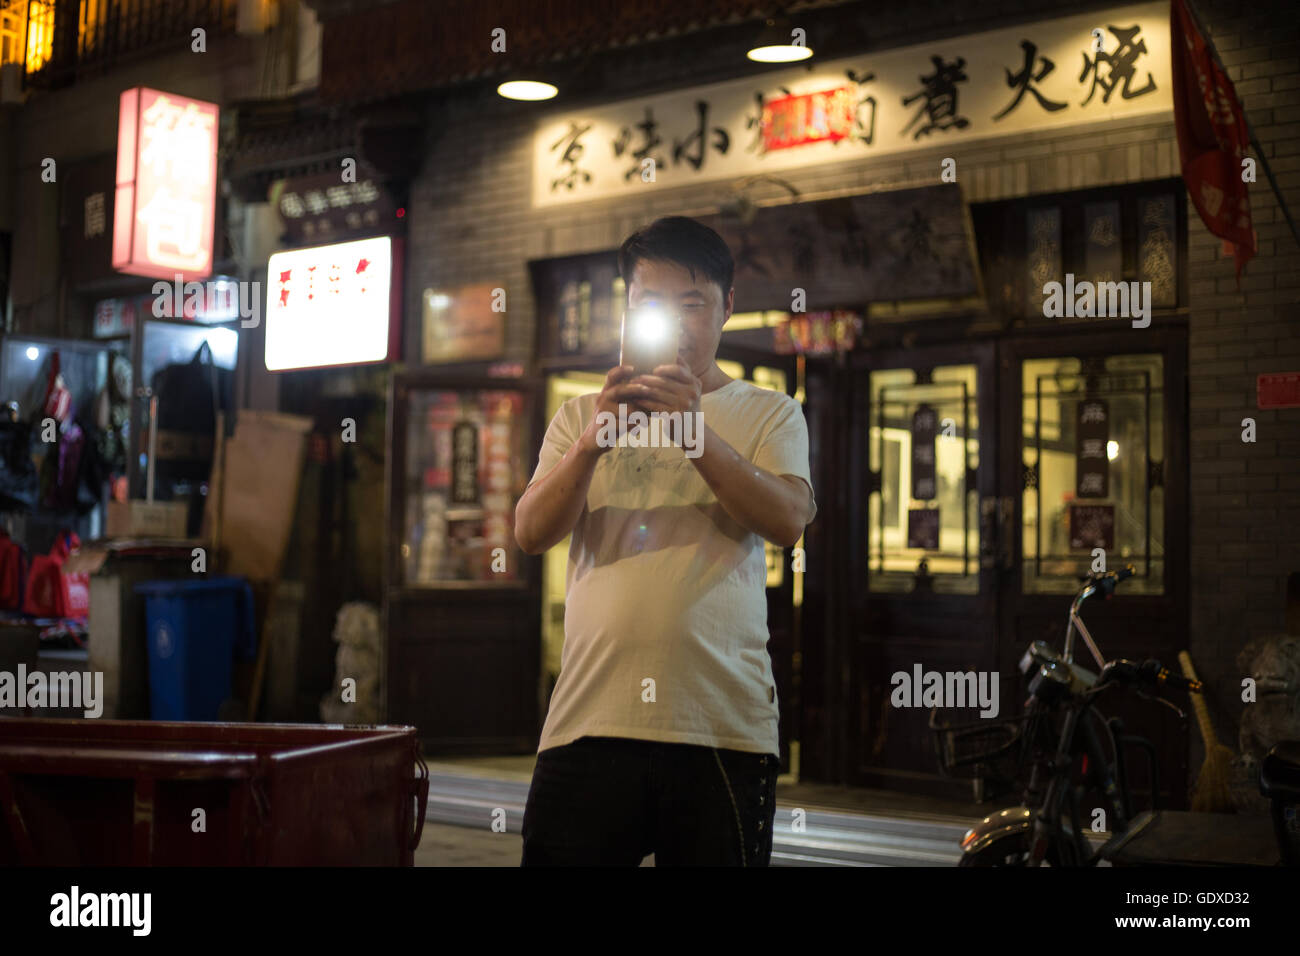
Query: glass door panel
point(924, 455)
point(463, 474)
point(1092, 470)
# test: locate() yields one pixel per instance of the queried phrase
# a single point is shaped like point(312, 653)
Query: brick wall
point(472, 221)
point(1245, 498)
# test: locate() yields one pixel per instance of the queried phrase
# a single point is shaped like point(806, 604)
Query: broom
point(1211, 794)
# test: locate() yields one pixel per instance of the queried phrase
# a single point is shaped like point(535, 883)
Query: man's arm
point(775, 507)
point(551, 507)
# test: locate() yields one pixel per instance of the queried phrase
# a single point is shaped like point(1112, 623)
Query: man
point(662, 731)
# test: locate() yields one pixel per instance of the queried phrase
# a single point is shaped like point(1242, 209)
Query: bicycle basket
point(974, 749)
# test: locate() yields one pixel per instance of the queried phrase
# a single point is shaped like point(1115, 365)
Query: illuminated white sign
point(949, 93)
point(331, 305)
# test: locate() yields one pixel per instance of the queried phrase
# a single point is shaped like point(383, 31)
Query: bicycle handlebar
point(1148, 672)
point(1106, 582)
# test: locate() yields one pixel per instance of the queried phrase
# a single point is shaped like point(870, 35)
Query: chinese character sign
point(464, 464)
point(1092, 449)
point(1074, 70)
point(925, 425)
point(331, 305)
point(166, 185)
point(320, 209)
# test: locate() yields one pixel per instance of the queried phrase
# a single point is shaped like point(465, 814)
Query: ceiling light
point(527, 90)
point(776, 44)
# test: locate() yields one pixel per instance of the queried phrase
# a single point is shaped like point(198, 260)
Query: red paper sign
point(1212, 137)
point(825, 116)
point(1278, 390)
point(1092, 526)
point(166, 185)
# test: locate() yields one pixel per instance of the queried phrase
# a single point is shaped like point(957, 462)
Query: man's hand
point(616, 391)
point(670, 388)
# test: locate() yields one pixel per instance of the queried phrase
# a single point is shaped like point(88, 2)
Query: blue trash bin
point(195, 628)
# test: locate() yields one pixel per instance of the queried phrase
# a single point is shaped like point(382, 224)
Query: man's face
point(699, 301)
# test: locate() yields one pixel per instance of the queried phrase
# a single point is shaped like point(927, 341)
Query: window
point(13, 24)
point(1093, 456)
point(924, 501)
point(1135, 233)
point(40, 34)
point(463, 477)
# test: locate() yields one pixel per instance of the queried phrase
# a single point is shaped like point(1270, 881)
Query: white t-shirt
point(662, 584)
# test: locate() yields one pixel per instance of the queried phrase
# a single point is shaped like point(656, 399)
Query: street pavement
point(836, 826)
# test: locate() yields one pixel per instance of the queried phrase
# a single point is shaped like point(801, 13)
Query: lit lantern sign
point(797, 120)
point(166, 185)
point(333, 305)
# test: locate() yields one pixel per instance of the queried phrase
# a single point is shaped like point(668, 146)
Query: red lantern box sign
point(166, 185)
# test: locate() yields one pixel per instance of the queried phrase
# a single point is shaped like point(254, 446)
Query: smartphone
point(651, 336)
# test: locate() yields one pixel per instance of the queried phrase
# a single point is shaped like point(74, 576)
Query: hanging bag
point(189, 396)
point(13, 571)
point(63, 469)
point(51, 592)
point(58, 399)
point(19, 482)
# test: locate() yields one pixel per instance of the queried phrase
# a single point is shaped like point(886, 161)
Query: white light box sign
point(333, 305)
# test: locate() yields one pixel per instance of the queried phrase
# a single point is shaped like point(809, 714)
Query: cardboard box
point(257, 492)
point(147, 519)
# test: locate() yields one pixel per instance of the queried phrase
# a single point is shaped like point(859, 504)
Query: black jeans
point(611, 801)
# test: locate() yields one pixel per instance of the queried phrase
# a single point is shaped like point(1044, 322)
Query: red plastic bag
point(51, 592)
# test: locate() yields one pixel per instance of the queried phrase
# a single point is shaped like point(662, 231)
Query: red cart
point(141, 793)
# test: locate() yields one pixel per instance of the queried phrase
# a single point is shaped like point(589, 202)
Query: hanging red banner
point(1212, 138)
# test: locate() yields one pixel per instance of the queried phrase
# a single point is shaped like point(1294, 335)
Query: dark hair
point(681, 240)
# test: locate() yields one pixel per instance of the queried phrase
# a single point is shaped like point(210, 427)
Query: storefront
point(978, 441)
point(319, 216)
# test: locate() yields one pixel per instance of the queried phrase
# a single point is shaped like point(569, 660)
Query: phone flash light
point(651, 326)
